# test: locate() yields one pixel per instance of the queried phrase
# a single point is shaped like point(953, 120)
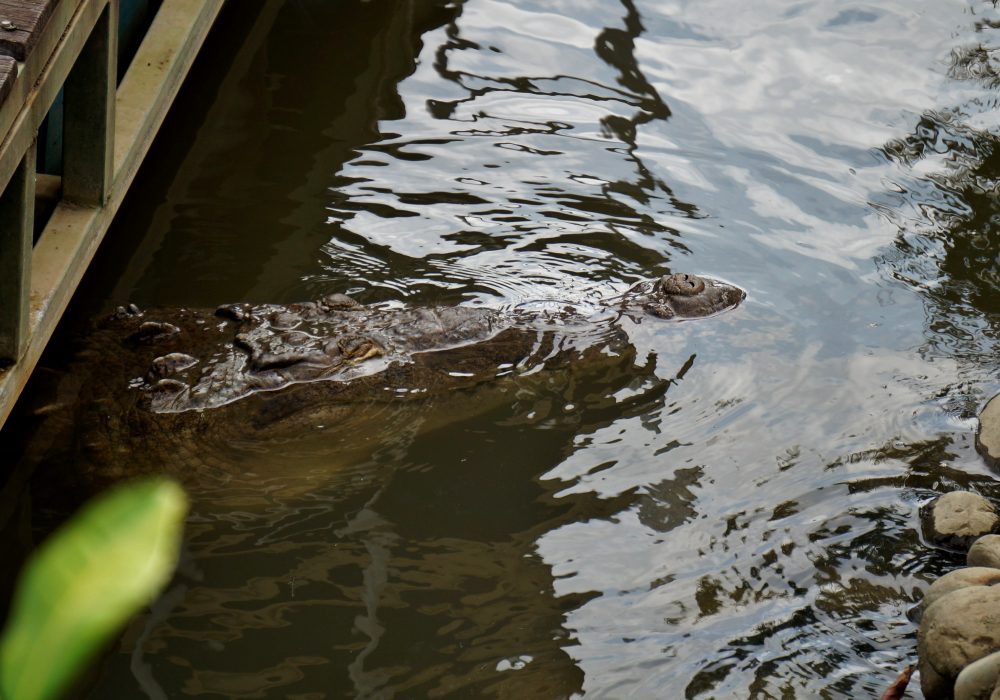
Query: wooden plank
point(69, 241)
point(144, 96)
point(39, 98)
point(17, 221)
point(26, 20)
point(89, 121)
point(8, 73)
point(67, 13)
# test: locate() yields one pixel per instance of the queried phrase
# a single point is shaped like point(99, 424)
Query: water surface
point(726, 508)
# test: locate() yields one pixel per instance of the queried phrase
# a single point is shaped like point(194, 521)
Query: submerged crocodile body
point(209, 359)
point(189, 386)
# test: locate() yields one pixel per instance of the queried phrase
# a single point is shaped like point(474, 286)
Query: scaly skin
point(204, 360)
point(189, 387)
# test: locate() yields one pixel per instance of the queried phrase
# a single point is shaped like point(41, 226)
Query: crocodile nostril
point(680, 284)
point(171, 363)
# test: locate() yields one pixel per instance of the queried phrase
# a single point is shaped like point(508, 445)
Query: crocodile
point(189, 386)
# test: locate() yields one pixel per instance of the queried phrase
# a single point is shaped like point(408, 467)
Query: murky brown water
point(726, 512)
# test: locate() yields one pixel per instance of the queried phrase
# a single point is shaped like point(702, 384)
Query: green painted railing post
point(17, 218)
point(89, 126)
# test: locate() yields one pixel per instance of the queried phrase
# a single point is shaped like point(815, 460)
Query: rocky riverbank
point(958, 642)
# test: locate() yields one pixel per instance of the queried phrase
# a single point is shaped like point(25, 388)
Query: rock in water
point(978, 679)
point(985, 552)
point(956, 519)
point(988, 437)
point(960, 578)
point(958, 628)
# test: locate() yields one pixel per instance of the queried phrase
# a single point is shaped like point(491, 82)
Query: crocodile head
point(682, 296)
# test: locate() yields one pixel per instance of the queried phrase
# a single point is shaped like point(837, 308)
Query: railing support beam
point(17, 221)
point(89, 126)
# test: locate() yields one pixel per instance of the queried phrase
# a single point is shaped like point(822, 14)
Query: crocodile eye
point(357, 349)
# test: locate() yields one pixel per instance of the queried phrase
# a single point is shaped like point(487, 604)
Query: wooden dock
point(69, 47)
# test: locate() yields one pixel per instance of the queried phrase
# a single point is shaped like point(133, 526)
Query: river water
point(728, 509)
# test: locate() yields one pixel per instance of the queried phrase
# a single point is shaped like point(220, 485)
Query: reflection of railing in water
point(71, 46)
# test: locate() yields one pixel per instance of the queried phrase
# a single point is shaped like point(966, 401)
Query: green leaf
point(85, 582)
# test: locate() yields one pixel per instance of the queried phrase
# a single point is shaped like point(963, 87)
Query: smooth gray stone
point(978, 679)
point(985, 552)
point(958, 628)
point(988, 437)
point(960, 578)
point(956, 519)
